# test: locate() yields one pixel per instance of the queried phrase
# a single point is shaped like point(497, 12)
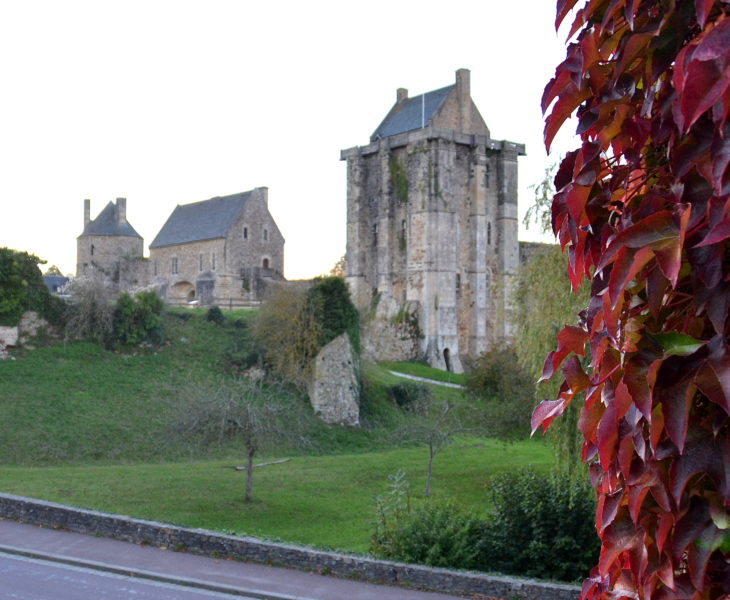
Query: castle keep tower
point(110, 245)
point(432, 222)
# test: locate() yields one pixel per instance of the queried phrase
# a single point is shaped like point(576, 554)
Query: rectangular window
point(154, 264)
point(245, 233)
point(266, 235)
point(174, 266)
point(212, 261)
point(200, 262)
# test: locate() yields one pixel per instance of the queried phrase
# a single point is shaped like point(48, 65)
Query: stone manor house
point(432, 226)
point(220, 251)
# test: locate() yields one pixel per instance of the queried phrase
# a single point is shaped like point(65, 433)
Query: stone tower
point(111, 246)
point(432, 222)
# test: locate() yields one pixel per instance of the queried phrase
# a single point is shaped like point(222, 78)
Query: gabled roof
point(413, 113)
point(108, 224)
point(199, 221)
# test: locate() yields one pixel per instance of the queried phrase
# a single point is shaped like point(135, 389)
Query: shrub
point(90, 314)
point(22, 289)
point(330, 303)
point(506, 392)
point(541, 526)
point(408, 394)
point(215, 315)
point(137, 319)
point(438, 534)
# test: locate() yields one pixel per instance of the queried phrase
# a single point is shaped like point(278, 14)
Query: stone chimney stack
point(463, 93)
point(121, 210)
point(87, 212)
point(401, 95)
point(265, 195)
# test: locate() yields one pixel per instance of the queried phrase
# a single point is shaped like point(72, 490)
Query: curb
point(148, 575)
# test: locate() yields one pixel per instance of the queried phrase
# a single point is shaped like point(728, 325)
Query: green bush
point(330, 303)
point(438, 534)
point(408, 394)
point(505, 391)
point(541, 526)
point(215, 315)
point(22, 289)
point(138, 319)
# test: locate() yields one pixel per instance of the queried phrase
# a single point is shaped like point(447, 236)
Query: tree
point(260, 417)
point(643, 209)
point(435, 423)
point(91, 310)
point(53, 270)
point(22, 288)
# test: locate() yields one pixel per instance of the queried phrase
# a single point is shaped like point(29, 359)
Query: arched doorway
point(447, 359)
point(182, 292)
point(265, 263)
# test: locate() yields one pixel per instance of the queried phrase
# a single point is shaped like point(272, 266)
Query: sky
point(167, 102)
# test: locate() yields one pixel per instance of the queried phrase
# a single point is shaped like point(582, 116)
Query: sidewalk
point(226, 576)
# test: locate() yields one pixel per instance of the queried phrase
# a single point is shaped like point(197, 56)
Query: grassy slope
point(420, 370)
point(323, 501)
point(79, 402)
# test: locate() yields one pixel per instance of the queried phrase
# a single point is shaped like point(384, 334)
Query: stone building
point(432, 223)
point(219, 251)
point(110, 246)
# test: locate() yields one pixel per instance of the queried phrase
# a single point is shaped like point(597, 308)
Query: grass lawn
point(420, 370)
point(323, 501)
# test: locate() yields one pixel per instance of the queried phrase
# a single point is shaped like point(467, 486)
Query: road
point(33, 579)
point(38, 563)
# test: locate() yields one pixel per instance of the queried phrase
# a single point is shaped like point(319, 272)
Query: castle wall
point(432, 219)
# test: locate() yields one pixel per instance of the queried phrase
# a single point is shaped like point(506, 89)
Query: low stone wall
point(201, 541)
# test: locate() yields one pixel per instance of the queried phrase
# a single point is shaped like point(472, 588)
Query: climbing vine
point(643, 209)
point(398, 179)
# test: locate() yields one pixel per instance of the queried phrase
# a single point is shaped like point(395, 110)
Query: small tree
point(432, 423)
point(91, 310)
point(260, 417)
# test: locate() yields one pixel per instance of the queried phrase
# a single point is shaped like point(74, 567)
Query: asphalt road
point(33, 579)
point(38, 563)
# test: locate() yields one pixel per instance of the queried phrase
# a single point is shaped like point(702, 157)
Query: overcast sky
point(167, 102)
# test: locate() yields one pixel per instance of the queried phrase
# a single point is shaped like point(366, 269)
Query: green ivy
point(399, 180)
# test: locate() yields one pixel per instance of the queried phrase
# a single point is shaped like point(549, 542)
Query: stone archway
point(447, 359)
point(181, 293)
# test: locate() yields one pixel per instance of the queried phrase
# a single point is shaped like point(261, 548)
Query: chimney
point(462, 82)
point(401, 95)
point(463, 95)
point(264, 191)
point(87, 212)
point(121, 210)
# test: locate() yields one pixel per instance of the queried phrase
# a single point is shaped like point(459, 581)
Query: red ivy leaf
point(545, 412)
point(718, 233)
point(702, 9)
point(571, 340)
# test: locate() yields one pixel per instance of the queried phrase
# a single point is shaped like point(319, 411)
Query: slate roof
point(106, 224)
point(198, 221)
point(54, 282)
point(412, 113)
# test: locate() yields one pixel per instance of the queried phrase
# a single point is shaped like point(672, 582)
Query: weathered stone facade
point(111, 246)
point(432, 219)
point(334, 388)
point(218, 251)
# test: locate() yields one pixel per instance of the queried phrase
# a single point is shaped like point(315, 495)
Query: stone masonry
point(334, 388)
point(432, 219)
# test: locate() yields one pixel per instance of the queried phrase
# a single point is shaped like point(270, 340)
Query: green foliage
point(398, 179)
point(138, 319)
point(22, 289)
point(544, 303)
point(329, 302)
point(408, 393)
point(91, 310)
point(541, 526)
point(504, 391)
point(215, 315)
point(437, 534)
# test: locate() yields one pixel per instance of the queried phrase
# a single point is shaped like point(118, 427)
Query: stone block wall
point(201, 541)
point(104, 252)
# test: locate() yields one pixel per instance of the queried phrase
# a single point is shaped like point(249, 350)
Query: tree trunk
point(249, 476)
point(427, 491)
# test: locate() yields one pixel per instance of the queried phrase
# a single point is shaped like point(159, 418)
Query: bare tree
point(435, 424)
point(260, 416)
point(91, 310)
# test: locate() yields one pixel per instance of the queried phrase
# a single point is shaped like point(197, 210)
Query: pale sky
point(167, 102)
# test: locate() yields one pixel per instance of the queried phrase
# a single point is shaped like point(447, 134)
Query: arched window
point(265, 263)
point(92, 249)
